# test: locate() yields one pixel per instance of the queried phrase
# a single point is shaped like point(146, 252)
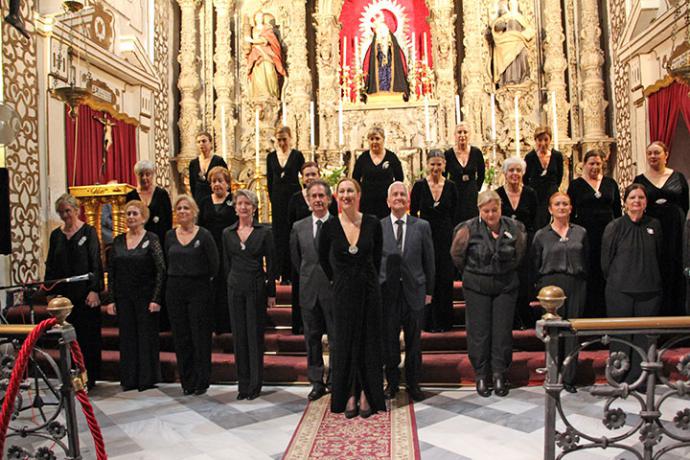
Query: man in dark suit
point(315, 293)
point(407, 283)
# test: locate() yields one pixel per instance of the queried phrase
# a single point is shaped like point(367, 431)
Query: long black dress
point(669, 204)
point(215, 218)
point(375, 180)
point(526, 212)
point(74, 256)
point(593, 210)
point(198, 179)
point(544, 181)
point(135, 279)
point(468, 179)
point(160, 212)
point(283, 182)
point(357, 359)
point(438, 316)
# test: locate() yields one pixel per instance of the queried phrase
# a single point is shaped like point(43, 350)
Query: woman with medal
point(192, 263)
point(350, 254)
point(156, 198)
point(631, 261)
point(559, 257)
point(544, 173)
point(465, 168)
point(376, 169)
point(519, 202)
point(74, 251)
point(434, 199)
point(282, 176)
point(487, 250)
point(596, 202)
point(247, 247)
point(667, 201)
point(136, 273)
point(216, 213)
point(200, 166)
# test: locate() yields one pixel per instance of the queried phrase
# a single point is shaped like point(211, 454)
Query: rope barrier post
point(67, 390)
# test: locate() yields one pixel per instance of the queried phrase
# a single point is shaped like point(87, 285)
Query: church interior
point(88, 88)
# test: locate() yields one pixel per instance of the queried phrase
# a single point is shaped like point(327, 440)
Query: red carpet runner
point(386, 435)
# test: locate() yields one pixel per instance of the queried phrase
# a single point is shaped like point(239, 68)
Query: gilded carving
point(555, 66)
point(591, 61)
point(162, 63)
point(223, 80)
point(101, 26)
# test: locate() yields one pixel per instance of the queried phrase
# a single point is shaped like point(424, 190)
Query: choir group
point(370, 258)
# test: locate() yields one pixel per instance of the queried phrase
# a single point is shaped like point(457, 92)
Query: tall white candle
point(312, 126)
point(414, 48)
point(357, 63)
point(517, 127)
point(344, 51)
point(458, 117)
point(554, 120)
point(493, 117)
point(425, 49)
point(256, 139)
point(223, 134)
point(427, 134)
point(340, 123)
point(284, 114)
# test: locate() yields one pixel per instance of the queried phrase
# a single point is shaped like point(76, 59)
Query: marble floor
point(452, 424)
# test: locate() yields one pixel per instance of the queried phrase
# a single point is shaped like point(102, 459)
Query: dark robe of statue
point(387, 68)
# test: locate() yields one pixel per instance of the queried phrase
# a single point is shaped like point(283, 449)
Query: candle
point(340, 122)
point(427, 135)
point(312, 128)
point(517, 127)
point(344, 52)
point(458, 117)
point(284, 114)
point(493, 117)
point(425, 55)
point(554, 120)
point(223, 137)
point(356, 53)
point(414, 49)
point(256, 139)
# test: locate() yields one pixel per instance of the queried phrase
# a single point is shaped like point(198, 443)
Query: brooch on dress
point(156, 219)
point(650, 231)
point(145, 245)
point(544, 172)
point(385, 165)
point(661, 201)
point(243, 246)
point(353, 250)
point(197, 243)
point(82, 240)
point(597, 194)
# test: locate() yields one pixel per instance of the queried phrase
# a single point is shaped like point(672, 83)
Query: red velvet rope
point(17, 373)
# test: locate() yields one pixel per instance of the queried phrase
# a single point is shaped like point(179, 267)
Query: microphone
point(76, 279)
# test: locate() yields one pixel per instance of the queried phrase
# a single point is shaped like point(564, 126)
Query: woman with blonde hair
point(465, 168)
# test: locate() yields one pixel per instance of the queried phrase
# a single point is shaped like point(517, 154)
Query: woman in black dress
point(667, 201)
point(519, 202)
point(192, 263)
point(350, 254)
point(435, 199)
point(73, 251)
point(375, 170)
point(216, 213)
point(465, 168)
point(200, 166)
point(282, 176)
point(544, 173)
point(596, 202)
point(136, 272)
point(246, 246)
point(156, 198)
point(631, 262)
point(559, 258)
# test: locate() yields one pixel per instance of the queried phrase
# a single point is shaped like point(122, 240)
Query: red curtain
point(120, 157)
point(664, 108)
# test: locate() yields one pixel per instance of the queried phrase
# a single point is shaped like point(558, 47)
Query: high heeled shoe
point(366, 413)
point(351, 413)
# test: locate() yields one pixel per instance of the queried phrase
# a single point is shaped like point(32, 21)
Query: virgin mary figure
point(511, 36)
point(265, 60)
point(386, 62)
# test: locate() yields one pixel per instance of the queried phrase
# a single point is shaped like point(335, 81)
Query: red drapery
point(664, 108)
point(120, 157)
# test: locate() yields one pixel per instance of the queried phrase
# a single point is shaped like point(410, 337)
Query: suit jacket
point(415, 266)
point(313, 283)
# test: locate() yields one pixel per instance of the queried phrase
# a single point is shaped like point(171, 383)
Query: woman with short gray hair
point(156, 198)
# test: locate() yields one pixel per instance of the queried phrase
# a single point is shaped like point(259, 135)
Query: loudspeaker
point(5, 234)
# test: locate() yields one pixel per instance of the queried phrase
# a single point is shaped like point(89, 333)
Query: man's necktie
point(399, 234)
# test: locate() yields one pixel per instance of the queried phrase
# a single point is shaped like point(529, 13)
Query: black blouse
point(198, 179)
point(468, 180)
point(440, 214)
point(526, 211)
point(160, 212)
point(217, 217)
point(137, 272)
point(671, 197)
point(552, 254)
point(75, 256)
point(631, 255)
point(339, 259)
point(244, 262)
point(594, 206)
point(544, 181)
point(277, 175)
point(196, 259)
point(375, 179)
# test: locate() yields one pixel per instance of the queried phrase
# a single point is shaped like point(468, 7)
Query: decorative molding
point(162, 63)
point(591, 62)
point(659, 85)
point(442, 21)
point(474, 75)
point(224, 80)
point(101, 26)
point(555, 65)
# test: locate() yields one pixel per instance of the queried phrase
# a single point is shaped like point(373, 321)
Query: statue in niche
point(386, 61)
point(510, 37)
point(265, 59)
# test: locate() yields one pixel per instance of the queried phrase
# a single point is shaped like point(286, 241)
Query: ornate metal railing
point(661, 379)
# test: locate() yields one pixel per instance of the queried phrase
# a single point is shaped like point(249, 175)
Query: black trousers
point(139, 347)
point(318, 320)
point(489, 318)
point(397, 313)
point(248, 317)
point(190, 312)
point(621, 304)
point(87, 325)
point(575, 289)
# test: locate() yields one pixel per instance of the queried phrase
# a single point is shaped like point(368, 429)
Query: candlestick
point(427, 135)
point(344, 52)
point(493, 117)
point(517, 127)
point(458, 116)
point(256, 139)
point(340, 123)
point(223, 137)
point(284, 114)
point(554, 120)
point(312, 127)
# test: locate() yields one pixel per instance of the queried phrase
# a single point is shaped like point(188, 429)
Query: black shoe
point(187, 391)
point(317, 391)
point(483, 389)
point(500, 386)
point(569, 387)
point(241, 396)
point(351, 413)
point(147, 387)
point(366, 413)
point(128, 387)
point(415, 393)
point(200, 391)
point(254, 395)
point(390, 391)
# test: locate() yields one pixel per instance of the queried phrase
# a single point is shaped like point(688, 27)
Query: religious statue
point(510, 35)
point(265, 59)
point(14, 18)
point(386, 61)
point(107, 140)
